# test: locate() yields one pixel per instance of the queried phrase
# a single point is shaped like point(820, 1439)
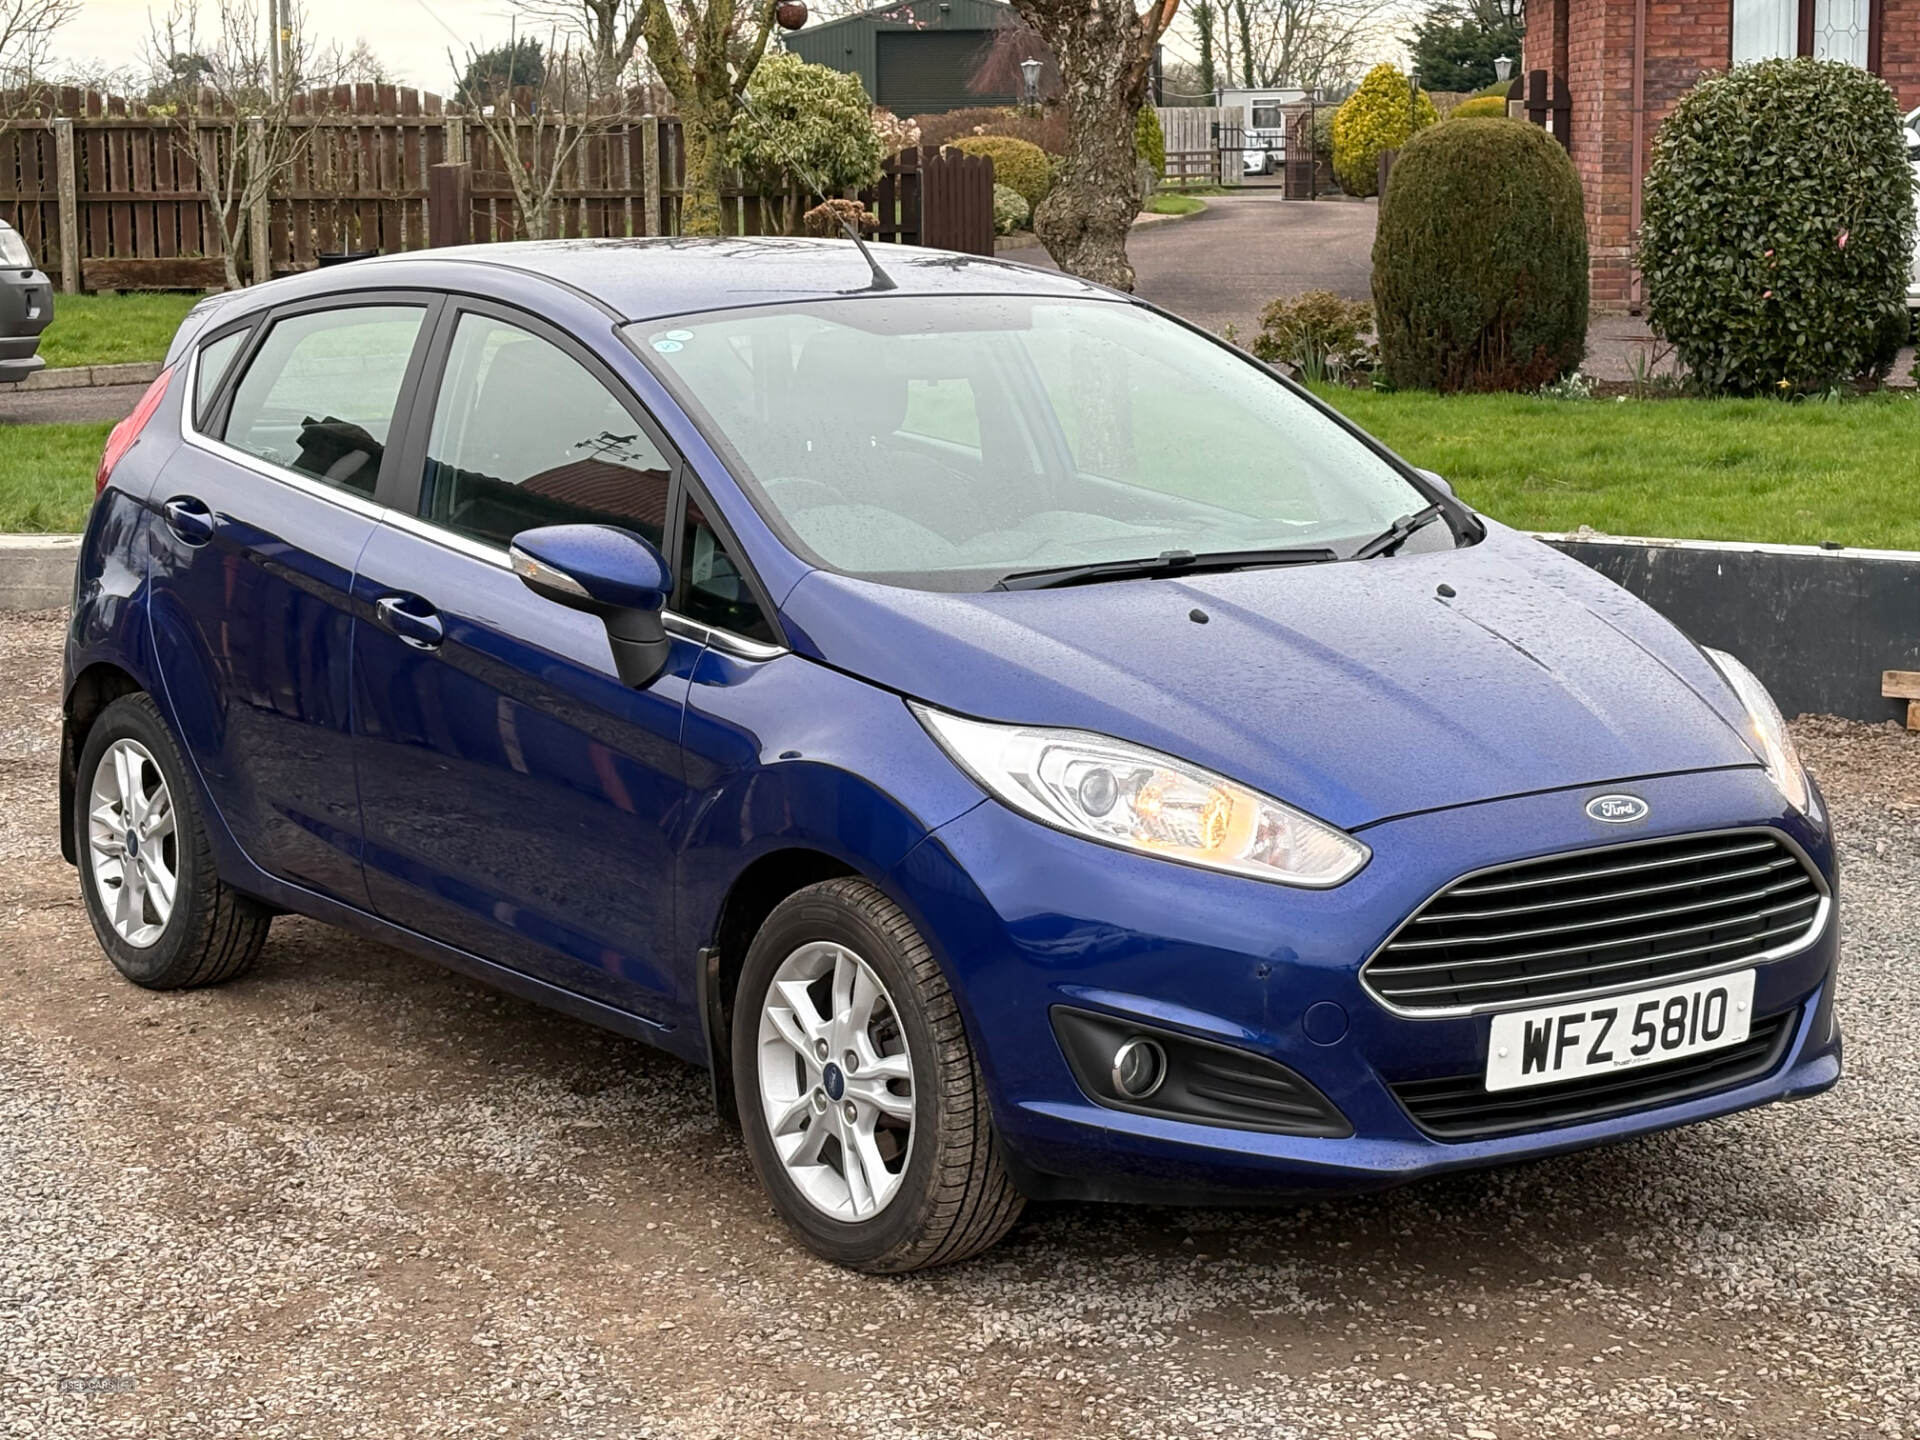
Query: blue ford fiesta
point(1018, 744)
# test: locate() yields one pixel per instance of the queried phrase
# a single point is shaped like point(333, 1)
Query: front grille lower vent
point(1460, 1107)
point(1597, 920)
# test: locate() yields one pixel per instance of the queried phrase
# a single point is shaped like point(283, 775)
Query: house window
point(1826, 29)
point(1841, 29)
point(1765, 30)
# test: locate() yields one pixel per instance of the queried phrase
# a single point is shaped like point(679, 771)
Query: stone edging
point(81, 377)
point(36, 571)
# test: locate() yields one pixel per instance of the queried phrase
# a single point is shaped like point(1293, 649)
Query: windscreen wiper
point(1167, 562)
point(1395, 535)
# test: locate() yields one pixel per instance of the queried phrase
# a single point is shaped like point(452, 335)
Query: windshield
point(947, 442)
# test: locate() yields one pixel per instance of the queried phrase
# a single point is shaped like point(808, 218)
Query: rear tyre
point(162, 914)
point(862, 1104)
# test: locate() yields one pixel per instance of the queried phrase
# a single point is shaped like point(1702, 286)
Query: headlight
point(1141, 800)
point(13, 250)
point(1766, 728)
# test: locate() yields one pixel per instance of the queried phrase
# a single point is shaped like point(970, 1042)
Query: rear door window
point(318, 396)
point(524, 435)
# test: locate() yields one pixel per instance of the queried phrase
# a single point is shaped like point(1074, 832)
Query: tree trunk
point(1083, 221)
point(1203, 28)
point(705, 145)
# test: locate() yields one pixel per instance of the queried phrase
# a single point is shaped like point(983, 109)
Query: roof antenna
point(881, 280)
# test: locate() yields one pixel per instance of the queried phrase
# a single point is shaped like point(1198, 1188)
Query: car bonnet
point(1357, 691)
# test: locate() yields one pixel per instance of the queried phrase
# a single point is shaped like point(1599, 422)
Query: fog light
point(1139, 1065)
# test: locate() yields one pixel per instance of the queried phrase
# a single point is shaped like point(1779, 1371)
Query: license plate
point(1567, 1042)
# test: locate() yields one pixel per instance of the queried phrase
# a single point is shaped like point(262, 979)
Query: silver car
point(26, 307)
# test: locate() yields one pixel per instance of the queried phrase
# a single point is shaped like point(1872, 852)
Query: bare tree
point(1313, 44)
point(537, 126)
point(609, 30)
point(705, 52)
point(27, 29)
point(1105, 53)
point(234, 110)
point(361, 65)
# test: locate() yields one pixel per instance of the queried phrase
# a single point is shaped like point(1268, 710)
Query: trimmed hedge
point(1777, 228)
point(1048, 129)
point(1374, 118)
point(1010, 210)
point(1481, 107)
point(1480, 260)
point(1016, 163)
point(1150, 141)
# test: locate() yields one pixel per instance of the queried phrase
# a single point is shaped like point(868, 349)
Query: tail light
point(128, 430)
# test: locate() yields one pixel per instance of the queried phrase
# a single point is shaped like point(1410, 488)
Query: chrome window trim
point(738, 646)
point(1815, 931)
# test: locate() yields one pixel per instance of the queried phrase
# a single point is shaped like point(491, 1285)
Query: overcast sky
point(412, 37)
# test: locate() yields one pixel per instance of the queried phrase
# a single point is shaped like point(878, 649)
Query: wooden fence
point(1193, 130)
point(113, 195)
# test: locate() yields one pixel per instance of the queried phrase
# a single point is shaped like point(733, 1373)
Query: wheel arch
point(754, 894)
point(92, 691)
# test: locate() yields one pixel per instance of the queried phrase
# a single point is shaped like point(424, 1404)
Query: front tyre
point(160, 911)
point(860, 1099)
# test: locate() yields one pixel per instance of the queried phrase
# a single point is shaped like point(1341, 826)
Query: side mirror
point(1438, 481)
point(612, 573)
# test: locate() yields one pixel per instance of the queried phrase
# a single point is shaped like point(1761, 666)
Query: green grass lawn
point(1689, 469)
point(112, 329)
point(46, 475)
point(1166, 203)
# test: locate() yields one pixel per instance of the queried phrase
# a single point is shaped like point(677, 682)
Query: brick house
point(1604, 73)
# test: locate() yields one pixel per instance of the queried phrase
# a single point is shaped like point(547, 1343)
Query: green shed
point(915, 57)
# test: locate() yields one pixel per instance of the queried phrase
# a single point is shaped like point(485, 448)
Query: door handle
point(411, 618)
point(189, 519)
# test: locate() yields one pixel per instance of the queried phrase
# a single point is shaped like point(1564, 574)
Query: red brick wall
point(1594, 41)
point(1900, 51)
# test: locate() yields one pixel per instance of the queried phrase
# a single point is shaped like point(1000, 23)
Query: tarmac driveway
point(1222, 266)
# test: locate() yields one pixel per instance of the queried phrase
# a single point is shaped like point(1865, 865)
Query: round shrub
point(1480, 260)
point(1150, 141)
point(1375, 117)
point(1481, 107)
point(1010, 210)
point(1015, 162)
point(805, 118)
point(1778, 227)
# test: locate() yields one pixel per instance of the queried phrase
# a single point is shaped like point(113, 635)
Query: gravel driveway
point(358, 1196)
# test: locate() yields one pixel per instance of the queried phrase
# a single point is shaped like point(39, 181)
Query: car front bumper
point(26, 309)
point(1028, 919)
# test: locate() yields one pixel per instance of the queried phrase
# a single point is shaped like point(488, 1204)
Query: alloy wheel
point(836, 1081)
point(133, 842)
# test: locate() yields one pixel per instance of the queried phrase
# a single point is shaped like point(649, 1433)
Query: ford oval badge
point(1617, 809)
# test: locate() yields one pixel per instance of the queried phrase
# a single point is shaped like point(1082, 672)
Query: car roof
point(647, 279)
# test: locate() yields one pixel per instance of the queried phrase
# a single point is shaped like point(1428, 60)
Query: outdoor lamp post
point(1503, 68)
point(1030, 72)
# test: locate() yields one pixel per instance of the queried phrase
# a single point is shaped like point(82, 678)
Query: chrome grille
point(1598, 920)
